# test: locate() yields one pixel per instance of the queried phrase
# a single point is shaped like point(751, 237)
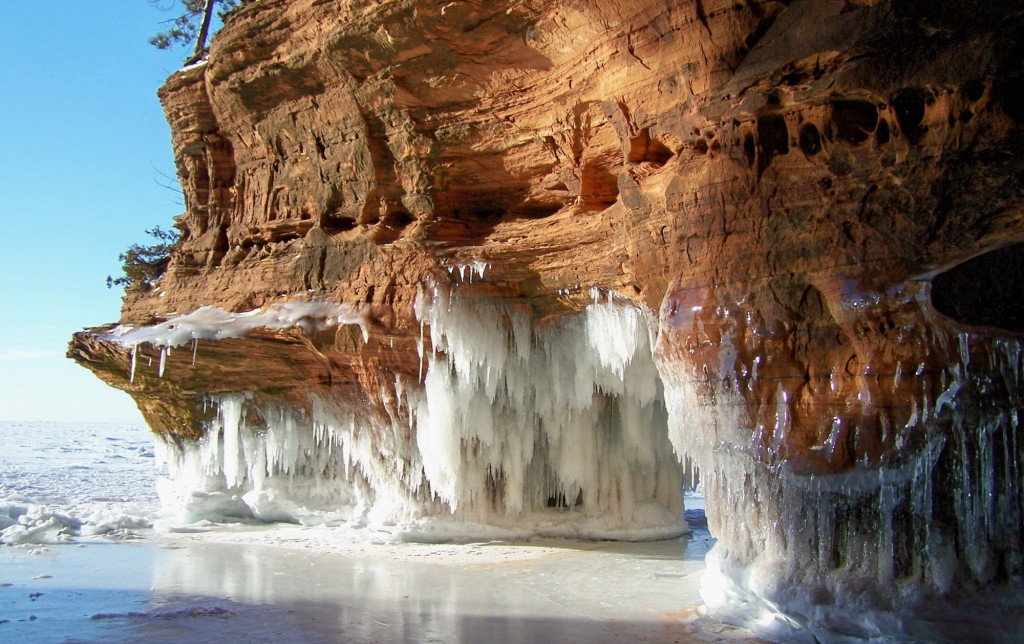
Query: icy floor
point(192, 587)
point(89, 490)
point(60, 481)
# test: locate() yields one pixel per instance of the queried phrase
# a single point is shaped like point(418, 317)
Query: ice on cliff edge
point(573, 427)
point(508, 431)
point(823, 557)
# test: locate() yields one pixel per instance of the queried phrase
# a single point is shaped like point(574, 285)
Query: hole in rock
point(792, 78)
point(882, 134)
point(987, 290)
point(599, 187)
point(338, 224)
point(538, 209)
point(397, 219)
point(1010, 83)
point(772, 139)
point(749, 150)
point(909, 105)
point(810, 139)
point(643, 148)
point(974, 90)
point(486, 214)
point(854, 120)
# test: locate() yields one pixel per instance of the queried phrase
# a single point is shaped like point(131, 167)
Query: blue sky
point(83, 143)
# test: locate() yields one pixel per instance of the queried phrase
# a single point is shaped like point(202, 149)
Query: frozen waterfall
point(513, 429)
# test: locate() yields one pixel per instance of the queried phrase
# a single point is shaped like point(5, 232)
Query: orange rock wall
point(776, 182)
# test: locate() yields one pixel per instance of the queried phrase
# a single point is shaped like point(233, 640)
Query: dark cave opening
point(987, 290)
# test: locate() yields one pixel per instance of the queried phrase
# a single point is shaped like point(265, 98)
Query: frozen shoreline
point(225, 585)
point(67, 493)
point(89, 489)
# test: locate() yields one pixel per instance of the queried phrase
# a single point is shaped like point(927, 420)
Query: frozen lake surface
point(161, 591)
point(78, 502)
point(83, 564)
point(65, 480)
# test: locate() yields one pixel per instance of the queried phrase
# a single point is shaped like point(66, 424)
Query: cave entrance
point(987, 290)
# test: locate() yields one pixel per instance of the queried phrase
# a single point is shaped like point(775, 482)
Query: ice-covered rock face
point(508, 431)
point(779, 183)
point(865, 476)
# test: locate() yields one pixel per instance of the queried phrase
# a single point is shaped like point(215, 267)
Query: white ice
point(211, 323)
point(513, 431)
point(62, 482)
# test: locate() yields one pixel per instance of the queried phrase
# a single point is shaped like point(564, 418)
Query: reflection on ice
point(192, 589)
point(537, 592)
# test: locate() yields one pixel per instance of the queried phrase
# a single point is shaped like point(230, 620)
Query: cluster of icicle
point(817, 558)
point(509, 431)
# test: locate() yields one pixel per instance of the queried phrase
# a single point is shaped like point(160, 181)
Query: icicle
point(501, 423)
point(195, 345)
point(421, 350)
point(131, 373)
point(163, 359)
point(480, 267)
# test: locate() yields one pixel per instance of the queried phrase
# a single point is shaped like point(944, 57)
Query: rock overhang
point(775, 183)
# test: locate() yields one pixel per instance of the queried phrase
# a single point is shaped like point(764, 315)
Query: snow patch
point(212, 323)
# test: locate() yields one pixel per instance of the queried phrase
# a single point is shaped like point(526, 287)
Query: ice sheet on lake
point(63, 481)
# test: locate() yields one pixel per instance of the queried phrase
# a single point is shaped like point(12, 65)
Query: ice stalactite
point(812, 555)
point(513, 431)
point(465, 272)
point(510, 421)
point(134, 356)
point(287, 468)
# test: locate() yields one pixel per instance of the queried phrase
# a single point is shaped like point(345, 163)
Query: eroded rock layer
point(772, 187)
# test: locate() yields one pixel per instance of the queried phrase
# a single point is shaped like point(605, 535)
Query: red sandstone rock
point(777, 182)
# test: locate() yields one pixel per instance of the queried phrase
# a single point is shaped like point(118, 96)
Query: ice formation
point(512, 431)
point(212, 323)
point(26, 522)
point(62, 482)
point(577, 426)
point(822, 557)
point(467, 271)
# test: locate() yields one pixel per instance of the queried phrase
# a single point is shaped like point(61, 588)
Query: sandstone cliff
point(779, 188)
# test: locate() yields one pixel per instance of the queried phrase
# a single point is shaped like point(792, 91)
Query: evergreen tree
point(192, 26)
point(143, 265)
